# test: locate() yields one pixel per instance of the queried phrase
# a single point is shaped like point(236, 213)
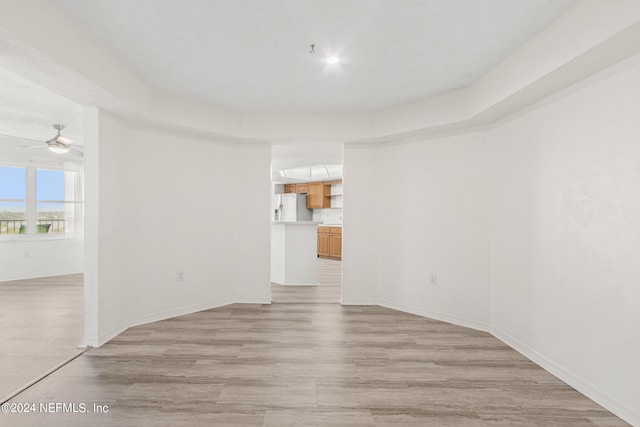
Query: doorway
point(41, 279)
point(41, 231)
point(307, 179)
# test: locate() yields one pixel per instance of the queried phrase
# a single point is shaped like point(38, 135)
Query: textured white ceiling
point(29, 112)
point(252, 55)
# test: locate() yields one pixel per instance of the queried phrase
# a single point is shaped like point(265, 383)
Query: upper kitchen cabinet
point(295, 188)
point(318, 195)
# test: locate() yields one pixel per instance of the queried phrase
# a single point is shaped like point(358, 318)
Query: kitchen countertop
point(330, 225)
point(296, 222)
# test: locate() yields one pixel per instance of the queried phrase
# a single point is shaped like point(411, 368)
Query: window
point(37, 201)
point(13, 199)
point(50, 203)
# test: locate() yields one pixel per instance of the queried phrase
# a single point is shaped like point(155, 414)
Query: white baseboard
point(449, 318)
point(107, 336)
point(630, 415)
point(168, 314)
point(251, 300)
point(89, 341)
point(623, 411)
point(298, 284)
point(36, 276)
point(359, 301)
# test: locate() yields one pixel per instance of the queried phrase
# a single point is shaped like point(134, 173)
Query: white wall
point(39, 258)
point(414, 210)
point(167, 204)
point(249, 203)
point(360, 220)
point(434, 219)
point(566, 238)
point(114, 241)
point(533, 228)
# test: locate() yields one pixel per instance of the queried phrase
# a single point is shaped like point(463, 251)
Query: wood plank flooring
point(329, 289)
point(309, 364)
point(41, 327)
point(304, 364)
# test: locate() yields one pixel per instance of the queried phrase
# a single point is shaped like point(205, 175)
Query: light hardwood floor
point(307, 364)
point(329, 289)
point(41, 327)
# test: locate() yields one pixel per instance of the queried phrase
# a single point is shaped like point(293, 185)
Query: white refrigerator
point(291, 207)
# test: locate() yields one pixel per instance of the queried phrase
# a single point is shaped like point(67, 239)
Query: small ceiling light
point(333, 60)
point(58, 147)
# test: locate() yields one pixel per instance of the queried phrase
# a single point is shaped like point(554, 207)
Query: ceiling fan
point(58, 144)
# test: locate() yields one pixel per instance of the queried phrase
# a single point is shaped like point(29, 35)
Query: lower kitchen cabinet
point(335, 245)
point(323, 244)
point(330, 242)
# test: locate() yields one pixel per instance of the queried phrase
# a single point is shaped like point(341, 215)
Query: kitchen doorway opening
point(306, 223)
point(42, 253)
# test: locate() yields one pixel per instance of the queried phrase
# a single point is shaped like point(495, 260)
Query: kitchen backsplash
point(328, 216)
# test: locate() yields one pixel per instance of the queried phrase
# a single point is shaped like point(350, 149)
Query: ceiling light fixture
point(59, 144)
point(58, 148)
point(331, 60)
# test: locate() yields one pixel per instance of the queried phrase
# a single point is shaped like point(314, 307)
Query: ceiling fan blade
point(32, 146)
point(64, 140)
point(59, 139)
point(56, 140)
point(75, 151)
point(21, 138)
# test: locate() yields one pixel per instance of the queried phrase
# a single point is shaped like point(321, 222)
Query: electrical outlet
point(180, 275)
point(27, 254)
point(433, 280)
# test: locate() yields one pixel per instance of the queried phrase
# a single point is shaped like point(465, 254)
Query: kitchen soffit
point(253, 55)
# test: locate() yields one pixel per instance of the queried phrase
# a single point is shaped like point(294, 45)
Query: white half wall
point(249, 204)
point(28, 259)
point(170, 205)
point(359, 233)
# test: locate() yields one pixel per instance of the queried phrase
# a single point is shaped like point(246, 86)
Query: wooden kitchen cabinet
point(295, 188)
point(323, 241)
point(335, 245)
point(318, 195)
point(330, 242)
